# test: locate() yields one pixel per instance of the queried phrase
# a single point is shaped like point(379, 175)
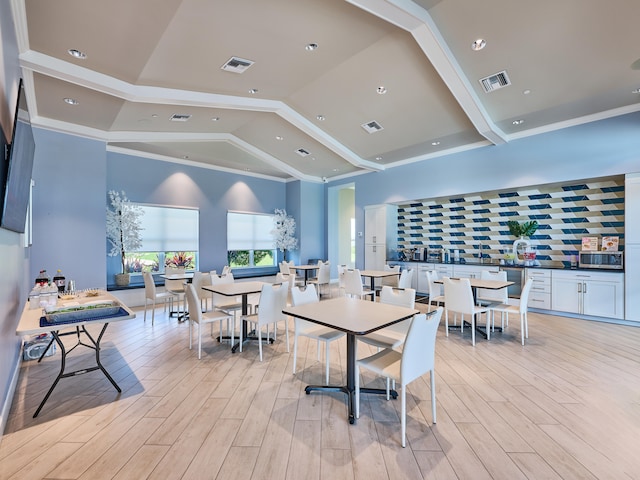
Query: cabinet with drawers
point(540, 294)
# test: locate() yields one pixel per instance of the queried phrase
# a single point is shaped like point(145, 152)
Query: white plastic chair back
point(193, 303)
point(220, 300)
point(488, 295)
point(149, 286)
point(401, 298)
point(324, 273)
point(284, 268)
point(418, 353)
point(392, 280)
point(524, 295)
point(226, 270)
point(458, 295)
point(435, 289)
point(273, 299)
point(406, 277)
point(353, 283)
point(301, 297)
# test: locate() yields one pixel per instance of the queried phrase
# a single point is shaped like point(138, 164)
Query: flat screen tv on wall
point(18, 169)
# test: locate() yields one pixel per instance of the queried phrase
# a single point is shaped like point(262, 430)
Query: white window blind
point(249, 231)
point(167, 229)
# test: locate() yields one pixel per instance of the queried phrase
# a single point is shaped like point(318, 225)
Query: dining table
point(243, 289)
point(355, 317)
point(71, 316)
point(306, 269)
point(185, 277)
point(476, 283)
point(374, 274)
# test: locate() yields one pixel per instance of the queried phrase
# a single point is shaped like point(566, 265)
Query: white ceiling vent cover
point(302, 152)
point(180, 117)
point(237, 65)
point(495, 81)
point(372, 127)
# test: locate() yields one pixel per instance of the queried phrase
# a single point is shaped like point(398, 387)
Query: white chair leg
point(388, 380)
point(403, 419)
point(260, 338)
point(199, 341)
point(357, 387)
point(241, 339)
point(446, 322)
point(432, 376)
point(318, 349)
point(286, 329)
point(473, 329)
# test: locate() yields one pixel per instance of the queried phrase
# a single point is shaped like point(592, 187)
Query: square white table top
point(351, 315)
point(378, 273)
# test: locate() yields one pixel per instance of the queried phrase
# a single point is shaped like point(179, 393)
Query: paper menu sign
point(610, 244)
point(590, 244)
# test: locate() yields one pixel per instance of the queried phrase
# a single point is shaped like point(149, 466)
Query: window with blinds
point(250, 240)
point(169, 239)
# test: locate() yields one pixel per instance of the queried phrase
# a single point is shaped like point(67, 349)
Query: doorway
point(341, 226)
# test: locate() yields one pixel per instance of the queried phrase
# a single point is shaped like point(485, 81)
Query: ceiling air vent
point(237, 65)
point(372, 127)
point(302, 152)
point(180, 117)
point(495, 81)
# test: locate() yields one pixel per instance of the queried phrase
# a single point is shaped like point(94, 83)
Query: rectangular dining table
point(34, 322)
point(476, 283)
point(306, 269)
point(373, 274)
point(235, 289)
point(354, 317)
point(187, 277)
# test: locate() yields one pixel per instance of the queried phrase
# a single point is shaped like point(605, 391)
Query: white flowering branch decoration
point(284, 232)
point(123, 226)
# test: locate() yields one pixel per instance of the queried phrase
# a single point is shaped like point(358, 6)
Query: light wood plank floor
point(565, 406)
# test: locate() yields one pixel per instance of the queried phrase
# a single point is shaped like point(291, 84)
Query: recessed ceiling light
point(311, 47)
point(71, 101)
point(247, 169)
point(186, 157)
point(215, 119)
point(526, 92)
point(518, 122)
point(155, 115)
point(478, 44)
point(320, 118)
point(381, 90)
point(253, 90)
point(335, 170)
point(435, 144)
point(77, 53)
point(378, 158)
point(279, 137)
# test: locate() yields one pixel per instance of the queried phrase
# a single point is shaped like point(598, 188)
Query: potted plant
point(123, 231)
point(284, 232)
point(525, 229)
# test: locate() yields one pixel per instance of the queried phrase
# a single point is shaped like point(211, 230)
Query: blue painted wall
point(213, 192)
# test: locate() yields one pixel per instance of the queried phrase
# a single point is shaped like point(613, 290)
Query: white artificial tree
point(123, 226)
point(285, 232)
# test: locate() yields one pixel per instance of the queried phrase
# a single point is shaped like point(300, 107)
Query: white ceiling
point(149, 59)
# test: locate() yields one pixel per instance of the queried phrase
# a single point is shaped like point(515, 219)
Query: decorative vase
point(122, 279)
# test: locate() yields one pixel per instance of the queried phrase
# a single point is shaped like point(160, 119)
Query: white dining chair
point(197, 317)
point(458, 298)
point(392, 280)
point(406, 278)
point(353, 286)
point(520, 309)
point(323, 279)
point(488, 296)
point(434, 289)
point(273, 299)
point(416, 359)
point(176, 287)
point(310, 329)
point(151, 294)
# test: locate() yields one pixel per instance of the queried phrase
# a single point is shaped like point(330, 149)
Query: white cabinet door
point(374, 225)
point(422, 285)
point(566, 294)
point(602, 298)
point(632, 281)
point(375, 257)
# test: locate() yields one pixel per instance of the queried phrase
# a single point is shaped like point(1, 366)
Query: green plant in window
point(179, 259)
point(238, 258)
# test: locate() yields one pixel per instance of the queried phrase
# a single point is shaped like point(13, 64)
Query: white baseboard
point(6, 406)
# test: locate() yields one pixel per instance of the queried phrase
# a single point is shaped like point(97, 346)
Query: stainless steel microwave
point(604, 260)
